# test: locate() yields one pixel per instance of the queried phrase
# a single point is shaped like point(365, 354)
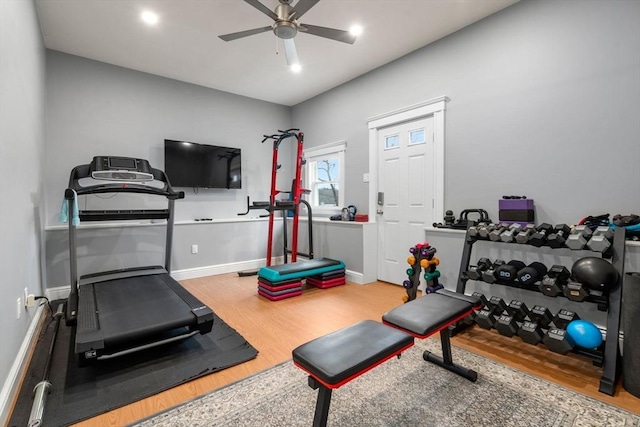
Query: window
point(324, 177)
point(416, 137)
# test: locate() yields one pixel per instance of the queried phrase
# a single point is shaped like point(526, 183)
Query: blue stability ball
point(584, 333)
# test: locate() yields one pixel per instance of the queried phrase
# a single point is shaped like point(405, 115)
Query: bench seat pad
point(336, 358)
point(429, 314)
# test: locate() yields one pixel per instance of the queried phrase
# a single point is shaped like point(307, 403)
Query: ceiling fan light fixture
point(285, 29)
point(149, 17)
point(355, 30)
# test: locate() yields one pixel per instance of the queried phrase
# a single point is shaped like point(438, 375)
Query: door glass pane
point(392, 141)
point(416, 137)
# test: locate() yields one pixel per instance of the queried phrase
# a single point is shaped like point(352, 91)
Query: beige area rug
point(400, 392)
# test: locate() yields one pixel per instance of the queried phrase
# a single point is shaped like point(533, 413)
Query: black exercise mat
point(81, 393)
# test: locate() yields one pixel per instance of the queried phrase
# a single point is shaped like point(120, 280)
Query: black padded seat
point(429, 314)
point(337, 358)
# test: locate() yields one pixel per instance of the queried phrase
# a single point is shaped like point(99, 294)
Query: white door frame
point(435, 107)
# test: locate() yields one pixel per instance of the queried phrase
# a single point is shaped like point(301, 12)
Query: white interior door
point(405, 193)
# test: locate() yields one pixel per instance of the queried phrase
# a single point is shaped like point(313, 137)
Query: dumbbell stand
point(607, 355)
point(610, 368)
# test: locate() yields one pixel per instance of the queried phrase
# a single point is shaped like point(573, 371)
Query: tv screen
point(189, 164)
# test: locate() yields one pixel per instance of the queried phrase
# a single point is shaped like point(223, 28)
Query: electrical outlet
point(19, 309)
point(30, 301)
point(194, 249)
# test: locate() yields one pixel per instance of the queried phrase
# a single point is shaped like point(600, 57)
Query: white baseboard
point(354, 277)
point(62, 292)
point(11, 386)
point(212, 270)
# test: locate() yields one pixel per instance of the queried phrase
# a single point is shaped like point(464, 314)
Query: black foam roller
point(631, 345)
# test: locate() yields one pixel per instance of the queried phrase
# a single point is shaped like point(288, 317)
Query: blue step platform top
point(300, 269)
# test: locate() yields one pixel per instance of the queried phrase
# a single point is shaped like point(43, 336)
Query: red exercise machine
point(291, 204)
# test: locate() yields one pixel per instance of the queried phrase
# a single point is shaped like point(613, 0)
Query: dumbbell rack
point(610, 355)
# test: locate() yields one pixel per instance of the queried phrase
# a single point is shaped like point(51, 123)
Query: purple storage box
point(515, 204)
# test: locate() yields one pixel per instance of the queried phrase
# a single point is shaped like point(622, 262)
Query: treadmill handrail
point(83, 171)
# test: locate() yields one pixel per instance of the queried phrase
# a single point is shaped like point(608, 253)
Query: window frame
point(334, 149)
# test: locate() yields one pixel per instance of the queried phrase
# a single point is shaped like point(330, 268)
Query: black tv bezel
point(201, 184)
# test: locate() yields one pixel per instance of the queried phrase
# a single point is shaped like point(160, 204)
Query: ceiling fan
point(286, 26)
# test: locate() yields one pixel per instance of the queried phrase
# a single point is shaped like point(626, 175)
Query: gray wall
point(544, 101)
point(95, 108)
point(22, 74)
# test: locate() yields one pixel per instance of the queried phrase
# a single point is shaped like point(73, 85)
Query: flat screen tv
point(189, 164)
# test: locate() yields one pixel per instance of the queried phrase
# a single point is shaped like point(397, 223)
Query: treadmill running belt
point(136, 307)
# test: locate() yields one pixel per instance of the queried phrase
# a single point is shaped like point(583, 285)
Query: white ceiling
point(184, 45)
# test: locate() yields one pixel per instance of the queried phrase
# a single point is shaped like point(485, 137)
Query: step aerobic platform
point(295, 285)
point(329, 274)
point(279, 283)
point(327, 283)
point(300, 269)
point(277, 296)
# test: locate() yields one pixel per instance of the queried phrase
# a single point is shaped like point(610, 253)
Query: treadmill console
point(125, 169)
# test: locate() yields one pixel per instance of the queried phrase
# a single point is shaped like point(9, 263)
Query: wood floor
point(275, 328)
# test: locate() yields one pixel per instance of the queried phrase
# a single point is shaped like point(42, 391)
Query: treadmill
point(122, 311)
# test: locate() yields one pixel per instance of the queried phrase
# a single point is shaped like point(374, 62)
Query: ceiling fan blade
point(240, 34)
point(290, 52)
point(302, 7)
point(262, 8)
point(329, 33)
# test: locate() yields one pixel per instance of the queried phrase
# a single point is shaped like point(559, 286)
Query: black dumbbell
point(475, 271)
point(579, 237)
point(494, 235)
point(489, 275)
point(471, 318)
point(575, 291)
point(538, 238)
point(498, 305)
point(526, 232)
point(486, 318)
point(532, 273)
point(558, 341)
point(508, 273)
point(518, 310)
point(564, 317)
point(553, 283)
point(482, 298)
point(531, 332)
point(541, 315)
point(492, 308)
point(559, 236)
point(507, 325)
point(509, 235)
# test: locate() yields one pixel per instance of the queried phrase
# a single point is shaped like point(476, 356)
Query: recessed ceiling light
point(355, 30)
point(296, 68)
point(149, 17)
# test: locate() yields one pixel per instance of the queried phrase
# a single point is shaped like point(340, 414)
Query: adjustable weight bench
point(339, 357)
